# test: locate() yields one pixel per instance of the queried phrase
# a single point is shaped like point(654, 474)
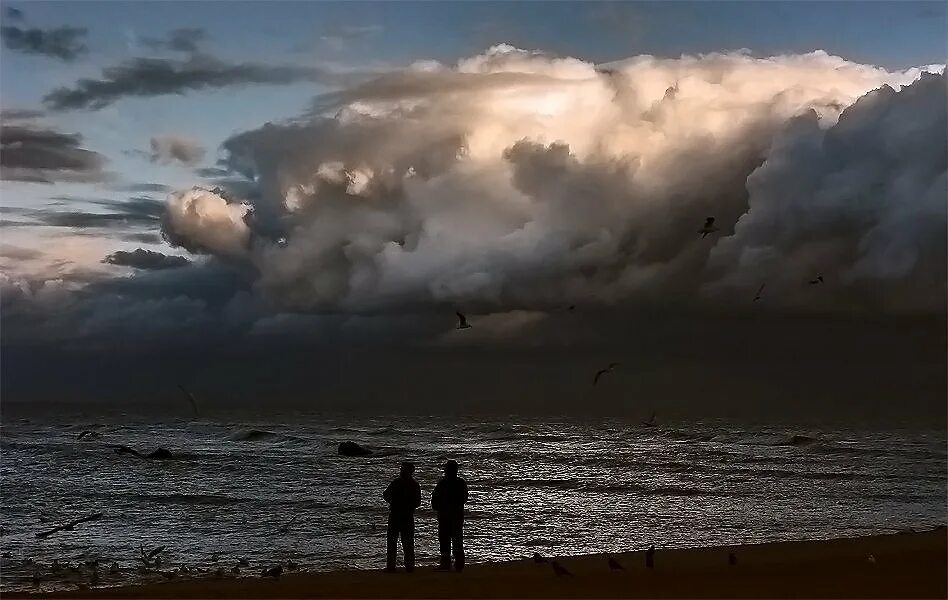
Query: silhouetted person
point(448, 500)
point(403, 496)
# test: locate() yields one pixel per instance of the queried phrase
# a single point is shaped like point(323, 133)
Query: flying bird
point(818, 280)
point(560, 570)
point(538, 558)
point(286, 526)
point(571, 308)
point(191, 399)
point(462, 321)
point(602, 372)
point(760, 291)
point(614, 564)
point(708, 227)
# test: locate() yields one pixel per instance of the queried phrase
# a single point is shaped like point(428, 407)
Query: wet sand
point(907, 565)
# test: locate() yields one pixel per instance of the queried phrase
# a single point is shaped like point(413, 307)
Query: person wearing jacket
point(403, 496)
point(448, 501)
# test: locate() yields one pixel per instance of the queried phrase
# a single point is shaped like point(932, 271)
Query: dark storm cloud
point(178, 40)
point(19, 114)
point(146, 77)
point(44, 155)
point(145, 187)
point(145, 259)
point(134, 212)
point(64, 43)
point(145, 238)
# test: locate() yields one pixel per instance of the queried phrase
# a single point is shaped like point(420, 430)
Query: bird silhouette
point(462, 321)
point(650, 557)
point(708, 227)
point(560, 570)
point(760, 291)
point(818, 280)
point(614, 564)
point(274, 572)
point(538, 558)
point(602, 372)
point(286, 527)
point(571, 308)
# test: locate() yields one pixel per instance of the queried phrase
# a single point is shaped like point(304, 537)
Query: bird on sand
point(708, 227)
point(760, 291)
point(818, 280)
point(602, 372)
point(538, 558)
point(462, 321)
point(614, 564)
point(191, 399)
point(650, 557)
point(872, 559)
point(274, 572)
point(560, 570)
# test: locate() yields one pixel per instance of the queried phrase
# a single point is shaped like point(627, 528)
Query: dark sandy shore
point(908, 565)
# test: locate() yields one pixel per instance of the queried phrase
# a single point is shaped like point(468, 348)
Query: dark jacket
point(449, 496)
point(403, 495)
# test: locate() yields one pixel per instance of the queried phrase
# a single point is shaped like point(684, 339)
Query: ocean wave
point(190, 499)
point(596, 487)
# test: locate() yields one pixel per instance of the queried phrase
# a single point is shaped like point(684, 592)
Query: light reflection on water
point(560, 488)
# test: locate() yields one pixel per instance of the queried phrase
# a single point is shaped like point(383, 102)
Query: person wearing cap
point(403, 496)
point(448, 501)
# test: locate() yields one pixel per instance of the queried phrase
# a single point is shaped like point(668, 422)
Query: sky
point(294, 199)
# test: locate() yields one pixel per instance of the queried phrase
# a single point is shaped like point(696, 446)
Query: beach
point(906, 565)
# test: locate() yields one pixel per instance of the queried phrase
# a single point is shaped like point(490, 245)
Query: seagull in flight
point(191, 399)
point(462, 321)
point(708, 227)
point(818, 280)
point(760, 291)
point(602, 372)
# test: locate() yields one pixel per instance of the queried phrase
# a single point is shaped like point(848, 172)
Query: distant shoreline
point(904, 565)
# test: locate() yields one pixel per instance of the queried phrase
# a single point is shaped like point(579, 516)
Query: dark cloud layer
point(144, 77)
point(44, 155)
point(123, 214)
point(64, 43)
point(145, 259)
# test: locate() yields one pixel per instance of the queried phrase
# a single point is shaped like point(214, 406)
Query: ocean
point(253, 493)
